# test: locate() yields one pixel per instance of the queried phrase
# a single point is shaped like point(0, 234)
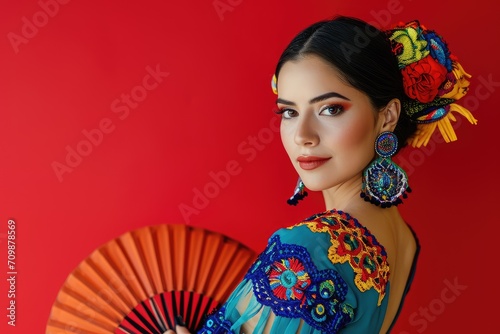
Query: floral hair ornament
point(274, 84)
point(433, 79)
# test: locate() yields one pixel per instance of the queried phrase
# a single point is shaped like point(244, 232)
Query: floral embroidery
point(354, 244)
point(288, 279)
point(285, 279)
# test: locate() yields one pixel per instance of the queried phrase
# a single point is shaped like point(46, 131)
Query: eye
point(332, 110)
point(287, 113)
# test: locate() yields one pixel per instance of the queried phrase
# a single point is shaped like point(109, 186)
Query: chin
point(315, 185)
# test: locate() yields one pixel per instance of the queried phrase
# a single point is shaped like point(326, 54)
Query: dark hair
point(363, 56)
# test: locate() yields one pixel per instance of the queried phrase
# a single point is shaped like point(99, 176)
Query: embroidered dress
point(324, 275)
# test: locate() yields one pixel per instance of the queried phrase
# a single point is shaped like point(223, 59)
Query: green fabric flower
point(411, 46)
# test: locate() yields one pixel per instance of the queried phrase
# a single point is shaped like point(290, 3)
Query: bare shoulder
point(391, 231)
point(398, 239)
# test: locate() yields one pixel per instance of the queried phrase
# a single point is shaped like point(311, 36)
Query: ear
point(389, 116)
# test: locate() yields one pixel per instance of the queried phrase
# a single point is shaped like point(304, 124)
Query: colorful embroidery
point(353, 243)
point(285, 279)
point(288, 279)
point(216, 323)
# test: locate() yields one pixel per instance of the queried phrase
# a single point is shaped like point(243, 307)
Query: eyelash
point(339, 109)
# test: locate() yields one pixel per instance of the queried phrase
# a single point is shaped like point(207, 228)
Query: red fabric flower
point(423, 78)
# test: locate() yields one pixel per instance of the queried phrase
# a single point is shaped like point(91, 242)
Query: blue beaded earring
point(384, 182)
point(298, 194)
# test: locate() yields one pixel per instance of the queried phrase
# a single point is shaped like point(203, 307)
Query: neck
point(343, 196)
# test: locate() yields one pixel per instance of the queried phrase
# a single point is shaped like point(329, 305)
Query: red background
point(214, 108)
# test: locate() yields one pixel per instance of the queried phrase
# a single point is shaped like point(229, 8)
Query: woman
point(345, 88)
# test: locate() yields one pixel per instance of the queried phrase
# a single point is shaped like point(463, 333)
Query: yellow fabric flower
point(461, 86)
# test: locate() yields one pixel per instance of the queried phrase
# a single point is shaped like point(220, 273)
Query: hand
point(178, 330)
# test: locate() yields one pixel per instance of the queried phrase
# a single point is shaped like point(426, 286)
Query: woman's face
point(328, 128)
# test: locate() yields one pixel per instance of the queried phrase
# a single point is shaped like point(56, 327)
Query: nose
point(306, 132)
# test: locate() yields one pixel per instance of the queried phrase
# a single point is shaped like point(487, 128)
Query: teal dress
point(326, 274)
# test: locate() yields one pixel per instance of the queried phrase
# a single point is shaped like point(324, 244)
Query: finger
point(181, 330)
point(169, 332)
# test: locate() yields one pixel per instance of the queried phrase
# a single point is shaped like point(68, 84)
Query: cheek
point(354, 138)
point(360, 133)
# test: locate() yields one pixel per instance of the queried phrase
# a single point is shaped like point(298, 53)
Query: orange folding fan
point(140, 281)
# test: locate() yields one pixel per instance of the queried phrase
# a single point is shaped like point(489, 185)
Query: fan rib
point(231, 267)
point(79, 320)
point(149, 323)
point(158, 314)
point(137, 326)
point(152, 317)
point(112, 279)
point(118, 260)
point(89, 283)
point(181, 233)
point(76, 300)
point(241, 261)
point(59, 327)
point(166, 251)
point(196, 244)
point(129, 248)
point(210, 250)
point(165, 308)
point(148, 256)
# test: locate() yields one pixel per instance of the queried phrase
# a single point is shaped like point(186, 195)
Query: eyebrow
point(316, 99)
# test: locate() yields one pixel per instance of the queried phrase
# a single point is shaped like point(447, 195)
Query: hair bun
point(433, 80)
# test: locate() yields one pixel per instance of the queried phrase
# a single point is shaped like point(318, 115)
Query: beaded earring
point(384, 182)
point(298, 194)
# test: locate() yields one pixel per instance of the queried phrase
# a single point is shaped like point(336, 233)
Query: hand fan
point(140, 281)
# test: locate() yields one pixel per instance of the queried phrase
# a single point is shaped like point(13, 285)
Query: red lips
point(311, 162)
